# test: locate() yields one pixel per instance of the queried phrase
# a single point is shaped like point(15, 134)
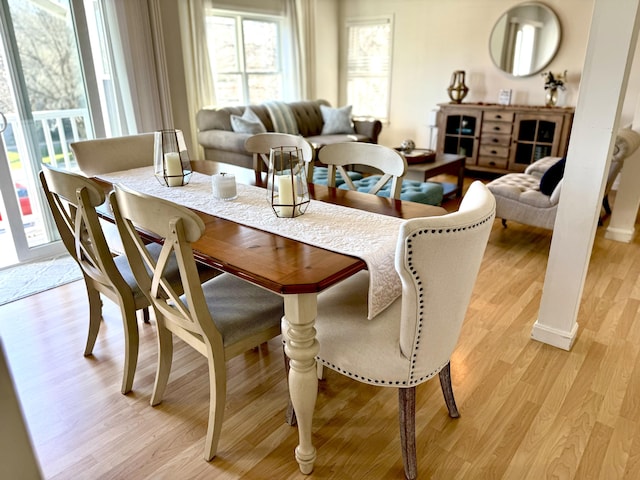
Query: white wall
point(435, 37)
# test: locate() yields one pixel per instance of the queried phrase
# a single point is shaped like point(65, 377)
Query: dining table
point(298, 271)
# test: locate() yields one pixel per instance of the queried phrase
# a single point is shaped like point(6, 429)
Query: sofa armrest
point(370, 128)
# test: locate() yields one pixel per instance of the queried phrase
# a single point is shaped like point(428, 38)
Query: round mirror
point(525, 39)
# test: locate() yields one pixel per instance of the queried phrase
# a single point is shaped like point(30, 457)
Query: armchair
point(518, 195)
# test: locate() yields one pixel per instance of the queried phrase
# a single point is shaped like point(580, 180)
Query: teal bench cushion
point(429, 193)
point(321, 176)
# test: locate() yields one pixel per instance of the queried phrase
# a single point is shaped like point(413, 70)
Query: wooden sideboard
point(503, 138)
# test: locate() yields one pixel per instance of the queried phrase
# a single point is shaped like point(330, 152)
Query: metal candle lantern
point(287, 190)
point(170, 158)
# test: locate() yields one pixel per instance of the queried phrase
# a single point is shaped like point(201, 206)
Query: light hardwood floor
point(528, 411)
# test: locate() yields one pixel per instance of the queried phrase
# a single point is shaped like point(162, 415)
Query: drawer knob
point(495, 140)
point(498, 116)
point(497, 129)
point(494, 152)
point(493, 164)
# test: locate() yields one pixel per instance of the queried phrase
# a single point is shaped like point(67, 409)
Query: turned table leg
point(302, 347)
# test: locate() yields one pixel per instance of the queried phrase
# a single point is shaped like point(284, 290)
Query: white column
point(625, 208)
point(612, 41)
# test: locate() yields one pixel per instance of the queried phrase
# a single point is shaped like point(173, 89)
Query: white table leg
point(302, 347)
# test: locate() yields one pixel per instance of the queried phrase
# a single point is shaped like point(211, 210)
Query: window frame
point(356, 22)
point(239, 17)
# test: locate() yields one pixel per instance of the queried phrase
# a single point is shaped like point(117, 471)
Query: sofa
point(224, 142)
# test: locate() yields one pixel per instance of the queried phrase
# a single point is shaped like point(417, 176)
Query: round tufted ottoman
point(429, 193)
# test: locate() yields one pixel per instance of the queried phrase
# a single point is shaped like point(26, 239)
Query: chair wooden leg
point(606, 205)
point(131, 344)
point(165, 357)
point(407, 417)
point(145, 315)
point(504, 223)
point(217, 399)
point(95, 317)
point(445, 383)
point(290, 413)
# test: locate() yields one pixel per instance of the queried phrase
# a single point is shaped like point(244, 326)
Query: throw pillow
point(336, 120)
point(249, 122)
point(552, 177)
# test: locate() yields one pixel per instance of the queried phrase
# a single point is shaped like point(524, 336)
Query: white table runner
point(369, 236)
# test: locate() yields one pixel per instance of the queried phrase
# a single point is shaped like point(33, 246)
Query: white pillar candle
point(286, 195)
point(173, 168)
point(223, 186)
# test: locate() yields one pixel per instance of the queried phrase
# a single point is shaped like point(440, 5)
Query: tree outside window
point(245, 55)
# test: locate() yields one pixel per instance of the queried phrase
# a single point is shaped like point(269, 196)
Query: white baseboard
point(620, 234)
point(554, 337)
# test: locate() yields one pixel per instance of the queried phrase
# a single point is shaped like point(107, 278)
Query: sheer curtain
point(134, 68)
point(300, 15)
point(197, 68)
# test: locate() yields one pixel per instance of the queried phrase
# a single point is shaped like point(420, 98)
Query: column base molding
point(554, 337)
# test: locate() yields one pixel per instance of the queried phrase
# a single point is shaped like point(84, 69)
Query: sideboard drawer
point(492, 162)
point(489, 139)
point(496, 127)
point(498, 116)
point(494, 151)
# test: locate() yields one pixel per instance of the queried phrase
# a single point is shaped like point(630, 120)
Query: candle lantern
point(287, 190)
point(170, 158)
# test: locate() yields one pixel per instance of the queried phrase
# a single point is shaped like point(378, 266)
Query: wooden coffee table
point(449, 163)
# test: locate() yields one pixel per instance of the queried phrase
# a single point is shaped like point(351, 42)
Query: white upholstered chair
point(106, 155)
point(73, 200)
point(260, 146)
point(388, 161)
point(437, 259)
point(220, 318)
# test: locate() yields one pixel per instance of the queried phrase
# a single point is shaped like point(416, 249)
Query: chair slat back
point(260, 146)
point(106, 155)
point(177, 226)
point(388, 161)
point(438, 260)
point(73, 200)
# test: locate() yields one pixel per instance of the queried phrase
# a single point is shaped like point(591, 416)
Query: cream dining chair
point(260, 146)
point(220, 318)
point(390, 162)
point(437, 259)
point(106, 155)
point(73, 200)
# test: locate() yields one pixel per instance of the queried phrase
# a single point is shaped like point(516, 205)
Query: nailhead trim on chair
point(412, 381)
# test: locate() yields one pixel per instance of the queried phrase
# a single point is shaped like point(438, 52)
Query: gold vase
point(457, 89)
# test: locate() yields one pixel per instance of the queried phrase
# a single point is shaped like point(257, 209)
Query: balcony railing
point(54, 130)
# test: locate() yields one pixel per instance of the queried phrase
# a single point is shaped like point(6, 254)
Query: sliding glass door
point(44, 108)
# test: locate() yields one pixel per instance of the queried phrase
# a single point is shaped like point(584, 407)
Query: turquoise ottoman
point(321, 176)
point(429, 193)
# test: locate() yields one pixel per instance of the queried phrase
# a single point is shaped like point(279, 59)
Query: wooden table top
point(280, 264)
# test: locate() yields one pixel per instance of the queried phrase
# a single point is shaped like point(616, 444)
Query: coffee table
point(449, 163)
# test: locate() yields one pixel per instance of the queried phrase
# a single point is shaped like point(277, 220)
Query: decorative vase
point(170, 158)
point(287, 190)
point(551, 97)
point(457, 89)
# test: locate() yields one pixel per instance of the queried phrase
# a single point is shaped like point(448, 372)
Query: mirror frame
point(497, 45)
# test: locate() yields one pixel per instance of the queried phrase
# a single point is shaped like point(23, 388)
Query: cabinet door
point(458, 133)
point(534, 137)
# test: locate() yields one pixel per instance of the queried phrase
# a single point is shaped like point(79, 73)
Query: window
point(245, 53)
point(369, 66)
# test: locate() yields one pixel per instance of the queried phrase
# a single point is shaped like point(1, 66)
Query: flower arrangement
point(556, 81)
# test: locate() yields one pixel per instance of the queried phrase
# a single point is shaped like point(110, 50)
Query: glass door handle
point(3, 122)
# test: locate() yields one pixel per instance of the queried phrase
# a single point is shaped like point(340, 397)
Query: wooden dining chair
point(220, 318)
point(73, 200)
point(389, 162)
point(260, 146)
point(437, 259)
